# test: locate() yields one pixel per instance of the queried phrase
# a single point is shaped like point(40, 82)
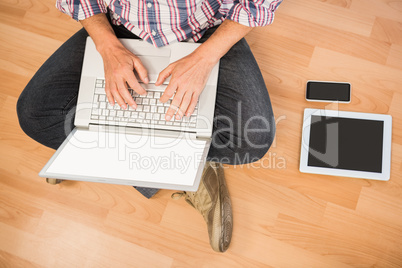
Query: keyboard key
point(145, 101)
point(109, 106)
point(139, 108)
point(102, 97)
point(150, 95)
point(100, 90)
point(157, 95)
point(161, 110)
point(102, 105)
point(146, 108)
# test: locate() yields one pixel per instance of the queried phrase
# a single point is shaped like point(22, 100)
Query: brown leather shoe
point(212, 200)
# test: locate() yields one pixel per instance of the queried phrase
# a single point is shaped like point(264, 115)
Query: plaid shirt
point(166, 21)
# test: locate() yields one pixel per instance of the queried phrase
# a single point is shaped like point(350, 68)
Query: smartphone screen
point(328, 91)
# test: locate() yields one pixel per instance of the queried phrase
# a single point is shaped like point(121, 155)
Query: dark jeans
point(243, 127)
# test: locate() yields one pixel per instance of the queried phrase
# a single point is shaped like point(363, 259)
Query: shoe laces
point(191, 198)
point(177, 195)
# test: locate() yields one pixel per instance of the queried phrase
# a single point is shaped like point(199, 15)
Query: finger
point(118, 98)
point(168, 93)
point(109, 95)
point(125, 94)
point(164, 75)
point(141, 70)
point(193, 103)
point(184, 104)
point(134, 85)
point(174, 106)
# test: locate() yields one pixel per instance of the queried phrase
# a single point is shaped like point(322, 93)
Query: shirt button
point(149, 5)
point(153, 33)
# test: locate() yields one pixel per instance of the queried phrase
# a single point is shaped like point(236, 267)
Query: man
point(244, 125)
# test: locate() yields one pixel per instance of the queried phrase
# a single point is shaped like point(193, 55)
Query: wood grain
point(282, 218)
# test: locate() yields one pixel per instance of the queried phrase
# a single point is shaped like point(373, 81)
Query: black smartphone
point(328, 91)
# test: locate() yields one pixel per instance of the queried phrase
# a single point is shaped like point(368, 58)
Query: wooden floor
point(282, 218)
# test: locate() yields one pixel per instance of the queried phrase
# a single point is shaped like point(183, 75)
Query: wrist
point(207, 55)
point(107, 43)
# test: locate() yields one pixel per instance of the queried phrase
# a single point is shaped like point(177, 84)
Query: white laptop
point(136, 147)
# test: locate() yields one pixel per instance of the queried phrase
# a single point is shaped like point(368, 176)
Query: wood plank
point(282, 218)
point(329, 15)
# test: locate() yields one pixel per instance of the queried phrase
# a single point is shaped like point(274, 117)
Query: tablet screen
point(346, 143)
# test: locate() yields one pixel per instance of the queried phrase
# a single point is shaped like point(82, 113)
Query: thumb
point(164, 74)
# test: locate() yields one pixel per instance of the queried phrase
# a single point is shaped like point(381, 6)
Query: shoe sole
point(222, 232)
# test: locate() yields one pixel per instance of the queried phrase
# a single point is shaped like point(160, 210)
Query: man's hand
point(189, 76)
point(119, 64)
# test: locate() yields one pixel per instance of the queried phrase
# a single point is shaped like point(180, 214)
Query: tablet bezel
point(386, 150)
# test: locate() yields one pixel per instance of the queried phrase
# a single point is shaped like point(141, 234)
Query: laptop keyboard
point(149, 109)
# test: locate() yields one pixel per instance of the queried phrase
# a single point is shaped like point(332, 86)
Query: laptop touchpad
point(154, 66)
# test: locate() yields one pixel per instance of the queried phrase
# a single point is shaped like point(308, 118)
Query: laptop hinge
point(144, 131)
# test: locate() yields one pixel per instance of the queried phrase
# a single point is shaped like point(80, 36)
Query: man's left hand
point(189, 76)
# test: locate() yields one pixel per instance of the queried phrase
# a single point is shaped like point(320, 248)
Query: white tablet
point(346, 144)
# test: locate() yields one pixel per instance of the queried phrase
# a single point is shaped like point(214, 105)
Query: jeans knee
point(244, 146)
point(28, 117)
point(24, 118)
point(257, 145)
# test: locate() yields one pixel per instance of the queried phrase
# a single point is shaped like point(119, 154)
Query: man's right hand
point(119, 63)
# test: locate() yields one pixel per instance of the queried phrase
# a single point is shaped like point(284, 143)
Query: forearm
point(227, 34)
point(101, 32)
